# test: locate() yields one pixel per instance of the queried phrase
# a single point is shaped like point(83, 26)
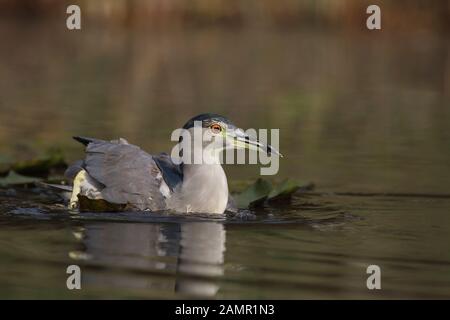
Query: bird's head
point(219, 133)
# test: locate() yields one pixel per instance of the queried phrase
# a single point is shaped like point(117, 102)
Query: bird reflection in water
point(164, 258)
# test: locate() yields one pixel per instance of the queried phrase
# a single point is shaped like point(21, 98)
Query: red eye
point(215, 128)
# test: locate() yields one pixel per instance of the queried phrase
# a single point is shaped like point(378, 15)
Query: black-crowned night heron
point(122, 173)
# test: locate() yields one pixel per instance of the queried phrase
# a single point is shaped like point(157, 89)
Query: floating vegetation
point(14, 179)
point(51, 162)
point(262, 190)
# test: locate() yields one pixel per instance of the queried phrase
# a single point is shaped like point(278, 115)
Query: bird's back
point(125, 174)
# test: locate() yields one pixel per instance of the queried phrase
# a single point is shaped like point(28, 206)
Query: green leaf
point(16, 179)
point(284, 190)
point(254, 194)
point(237, 186)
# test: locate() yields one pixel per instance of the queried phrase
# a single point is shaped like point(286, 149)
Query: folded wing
point(127, 174)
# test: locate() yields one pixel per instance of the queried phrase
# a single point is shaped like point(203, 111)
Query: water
point(364, 118)
point(319, 247)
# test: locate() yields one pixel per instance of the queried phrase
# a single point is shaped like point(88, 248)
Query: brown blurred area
point(398, 16)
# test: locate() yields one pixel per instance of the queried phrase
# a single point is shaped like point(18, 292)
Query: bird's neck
point(204, 188)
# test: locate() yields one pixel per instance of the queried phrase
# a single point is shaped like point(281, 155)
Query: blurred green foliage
point(51, 161)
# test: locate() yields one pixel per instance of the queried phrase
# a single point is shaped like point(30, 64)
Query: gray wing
point(172, 173)
point(128, 174)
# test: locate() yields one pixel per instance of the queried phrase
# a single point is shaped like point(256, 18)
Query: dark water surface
point(318, 247)
point(366, 118)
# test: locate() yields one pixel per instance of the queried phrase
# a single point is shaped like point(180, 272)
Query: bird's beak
point(240, 140)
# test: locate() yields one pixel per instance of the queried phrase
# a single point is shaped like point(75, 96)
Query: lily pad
point(262, 190)
point(254, 194)
point(284, 190)
point(237, 186)
point(14, 178)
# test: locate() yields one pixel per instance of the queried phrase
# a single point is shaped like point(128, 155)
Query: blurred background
point(357, 110)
